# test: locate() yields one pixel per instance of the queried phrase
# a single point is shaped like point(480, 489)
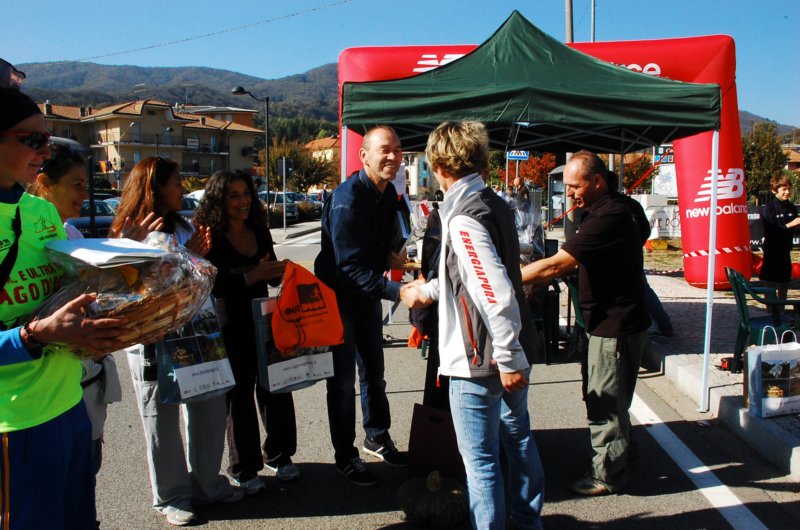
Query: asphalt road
point(660, 493)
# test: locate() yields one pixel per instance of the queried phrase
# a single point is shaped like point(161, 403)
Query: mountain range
point(313, 94)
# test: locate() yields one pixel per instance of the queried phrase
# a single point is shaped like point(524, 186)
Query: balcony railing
point(189, 143)
point(197, 168)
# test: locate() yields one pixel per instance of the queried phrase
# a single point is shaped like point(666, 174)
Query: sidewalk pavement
point(680, 358)
point(294, 230)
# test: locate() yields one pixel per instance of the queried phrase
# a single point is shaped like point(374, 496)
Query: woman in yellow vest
point(46, 476)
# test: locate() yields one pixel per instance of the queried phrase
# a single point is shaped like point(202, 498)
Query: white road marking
point(717, 493)
point(302, 241)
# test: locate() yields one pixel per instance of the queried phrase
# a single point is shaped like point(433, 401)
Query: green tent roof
point(532, 92)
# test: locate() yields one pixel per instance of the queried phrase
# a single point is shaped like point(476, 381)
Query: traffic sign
point(664, 154)
point(518, 155)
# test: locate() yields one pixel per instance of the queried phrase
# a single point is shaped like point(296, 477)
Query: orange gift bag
point(307, 315)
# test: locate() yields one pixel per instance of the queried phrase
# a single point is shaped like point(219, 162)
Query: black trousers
point(246, 452)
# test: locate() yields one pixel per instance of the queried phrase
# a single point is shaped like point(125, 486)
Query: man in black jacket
point(360, 241)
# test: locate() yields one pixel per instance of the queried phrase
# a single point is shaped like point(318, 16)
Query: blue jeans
point(363, 346)
point(484, 416)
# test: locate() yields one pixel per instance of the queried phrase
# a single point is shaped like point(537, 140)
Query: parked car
point(276, 203)
point(103, 195)
point(307, 204)
point(189, 205)
point(198, 194)
point(104, 215)
point(113, 202)
point(316, 205)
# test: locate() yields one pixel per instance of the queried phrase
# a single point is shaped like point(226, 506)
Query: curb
point(302, 232)
point(767, 439)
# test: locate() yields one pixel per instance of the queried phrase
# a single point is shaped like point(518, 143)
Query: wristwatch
point(33, 346)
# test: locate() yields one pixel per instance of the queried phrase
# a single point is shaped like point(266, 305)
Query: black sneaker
point(386, 451)
point(356, 471)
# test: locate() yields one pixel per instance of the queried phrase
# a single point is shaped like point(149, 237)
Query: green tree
point(534, 170)
point(300, 129)
point(634, 169)
point(306, 171)
point(497, 162)
point(636, 165)
point(763, 158)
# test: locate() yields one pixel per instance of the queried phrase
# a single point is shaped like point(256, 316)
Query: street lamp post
point(240, 91)
point(118, 169)
point(166, 130)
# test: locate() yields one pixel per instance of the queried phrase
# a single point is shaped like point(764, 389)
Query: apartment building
point(792, 152)
point(325, 148)
point(123, 134)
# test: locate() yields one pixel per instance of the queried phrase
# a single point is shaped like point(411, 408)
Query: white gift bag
point(774, 376)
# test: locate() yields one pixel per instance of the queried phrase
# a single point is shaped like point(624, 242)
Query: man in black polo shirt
point(608, 254)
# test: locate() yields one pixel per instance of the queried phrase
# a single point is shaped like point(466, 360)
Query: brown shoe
point(590, 487)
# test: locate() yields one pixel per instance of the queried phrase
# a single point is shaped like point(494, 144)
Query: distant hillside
point(747, 119)
point(312, 94)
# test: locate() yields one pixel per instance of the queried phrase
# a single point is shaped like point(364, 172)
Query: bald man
point(360, 236)
point(607, 252)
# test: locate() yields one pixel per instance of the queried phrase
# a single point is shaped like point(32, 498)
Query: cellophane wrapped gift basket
point(156, 285)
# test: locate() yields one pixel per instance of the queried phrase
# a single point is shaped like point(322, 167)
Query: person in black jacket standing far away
point(780, 219)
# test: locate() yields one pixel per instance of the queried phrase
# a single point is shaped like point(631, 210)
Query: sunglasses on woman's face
point(34, 140)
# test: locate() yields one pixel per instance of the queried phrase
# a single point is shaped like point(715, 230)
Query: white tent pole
point(712, 252)
point(343, 154)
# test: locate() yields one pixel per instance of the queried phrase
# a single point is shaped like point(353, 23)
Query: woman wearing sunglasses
point(46, 476)
point(154, 187)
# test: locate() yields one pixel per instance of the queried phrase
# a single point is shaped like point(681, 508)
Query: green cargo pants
point(610, 380)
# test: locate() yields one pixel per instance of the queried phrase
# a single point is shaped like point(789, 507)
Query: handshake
point(414, 296)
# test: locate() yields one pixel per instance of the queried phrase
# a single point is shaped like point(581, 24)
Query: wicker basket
point(153, 316)
point(154, 297)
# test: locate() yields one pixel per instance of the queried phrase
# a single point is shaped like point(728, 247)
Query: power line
point(221, 32)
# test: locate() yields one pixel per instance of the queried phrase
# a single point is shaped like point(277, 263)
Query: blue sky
point(276, 38)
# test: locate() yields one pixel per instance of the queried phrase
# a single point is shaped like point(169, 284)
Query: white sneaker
point(252, 486)
point(285, 472)
point(180, 517)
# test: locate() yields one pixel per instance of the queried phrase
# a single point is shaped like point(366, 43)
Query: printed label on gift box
point(203, 378)
point(306, 366)
point(193, 359)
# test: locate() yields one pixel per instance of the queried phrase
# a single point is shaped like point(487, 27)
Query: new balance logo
point(429, 61)
point(730, 186)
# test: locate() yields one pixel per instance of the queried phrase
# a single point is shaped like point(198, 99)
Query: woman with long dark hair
point(242, 250)
point(178, 479)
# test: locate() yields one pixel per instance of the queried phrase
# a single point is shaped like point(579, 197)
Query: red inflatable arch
point(696, 59)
